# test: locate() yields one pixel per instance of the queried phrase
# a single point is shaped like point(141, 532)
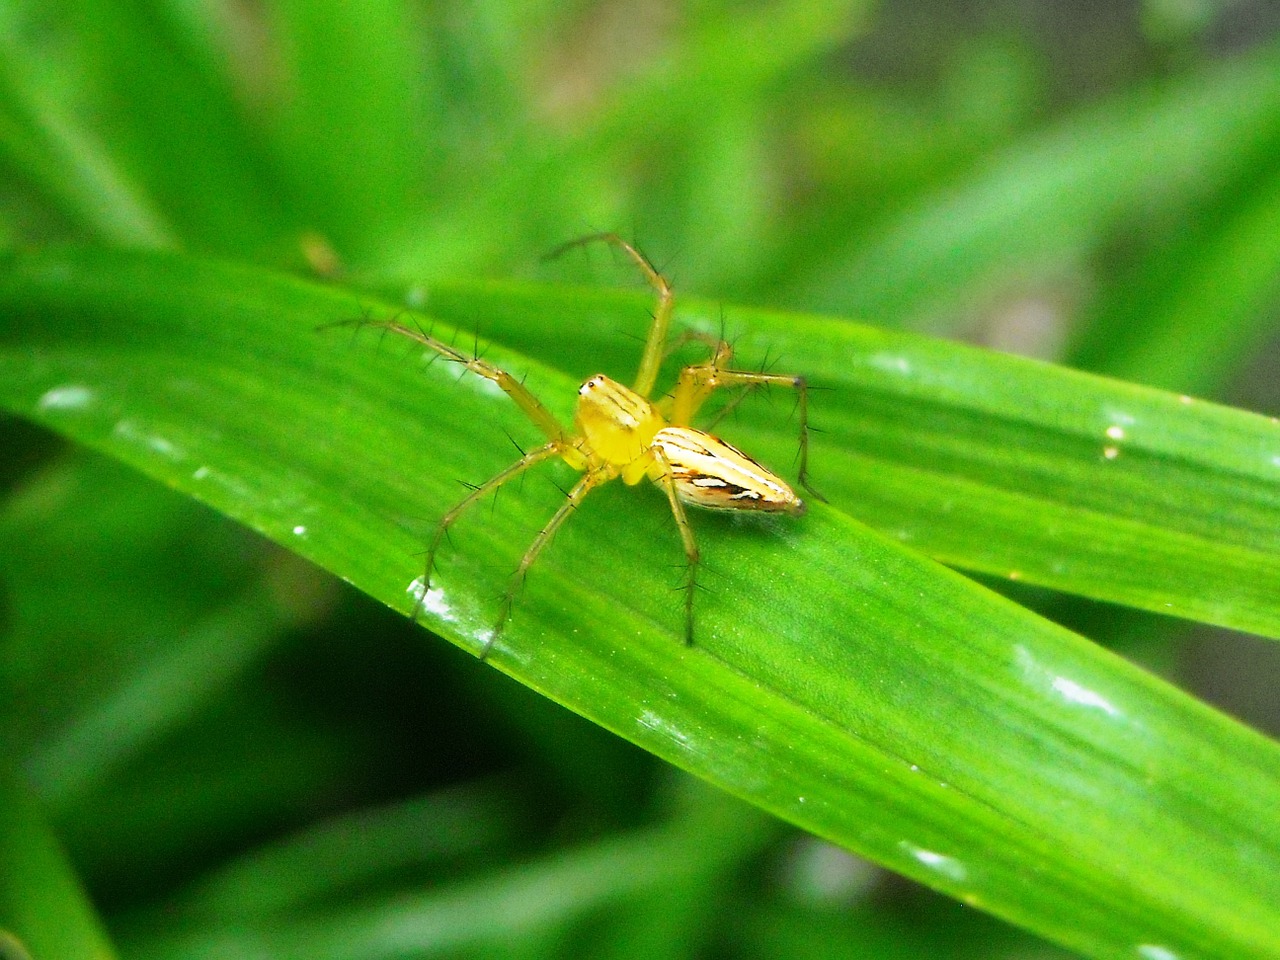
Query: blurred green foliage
point(221, 739)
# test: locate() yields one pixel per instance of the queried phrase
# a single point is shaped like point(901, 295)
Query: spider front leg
point(577, 493)
point(655, 347)
point(697, 382)
point(517, 391)
point(545, 452)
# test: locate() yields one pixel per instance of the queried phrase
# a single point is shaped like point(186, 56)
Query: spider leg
point(721, 349)
point(577, 493)
point(686, 397)
point(697, 382)
point(729, 407)
point(515, 389)
point(544, 452)
point(690, 544)
point(655, 344)
point(743, 392)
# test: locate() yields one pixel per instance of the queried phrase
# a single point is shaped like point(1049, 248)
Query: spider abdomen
point(709, 473)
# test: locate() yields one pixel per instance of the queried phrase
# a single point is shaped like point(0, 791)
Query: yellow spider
point(619, 432)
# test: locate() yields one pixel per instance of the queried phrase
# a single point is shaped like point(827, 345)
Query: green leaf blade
point(839, 680)
point(43, 906)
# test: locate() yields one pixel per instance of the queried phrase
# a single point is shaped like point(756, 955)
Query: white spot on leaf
point(891, 362)
point(949, 867)
point(1075, 693)
point(433, 601)
point(131, 432)
point(72, 396)
point(658, 724)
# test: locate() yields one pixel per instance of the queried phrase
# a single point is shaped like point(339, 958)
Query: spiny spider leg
point(729, 407)
point(577, 493)
point(690, 545)
point(544, 452)
point(696, 394)
point(721, 349)
point(697, 382)
point(655, 345)
point(515, 389)
point(743, 393)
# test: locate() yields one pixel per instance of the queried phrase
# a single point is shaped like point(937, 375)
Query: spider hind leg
point(697, 382)
point(667, 481)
